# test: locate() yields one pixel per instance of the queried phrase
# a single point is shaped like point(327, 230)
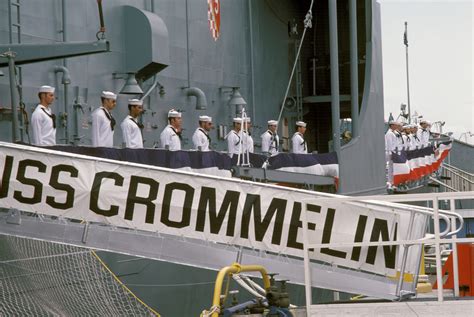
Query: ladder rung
point(17, 25)
point(16, 4)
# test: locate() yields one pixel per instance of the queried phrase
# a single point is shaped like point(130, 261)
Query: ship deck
point(425, 307)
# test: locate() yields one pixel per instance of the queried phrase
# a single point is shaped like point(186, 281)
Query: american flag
point(214, 17)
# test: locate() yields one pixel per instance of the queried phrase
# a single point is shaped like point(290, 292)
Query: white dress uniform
point(298, 144)
point(170, 137)
point(233, 142)
point(248, 142)
point(43, 126)
point(391, 142)
point(270, 142)
point(103, 125)
point(201, 139)
point(400, 144)
point(415, 142)
point(424, 136)
point(406, 138)
point(132, 134)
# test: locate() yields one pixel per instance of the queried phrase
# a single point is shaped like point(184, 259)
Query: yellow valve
point(235, 268)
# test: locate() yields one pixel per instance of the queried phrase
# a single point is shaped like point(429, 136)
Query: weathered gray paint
point(212, 65)
point(362, 160)
point(354, 68)
point(462, 156)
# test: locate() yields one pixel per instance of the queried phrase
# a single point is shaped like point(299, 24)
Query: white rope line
point(169, 285)
point(307, 24)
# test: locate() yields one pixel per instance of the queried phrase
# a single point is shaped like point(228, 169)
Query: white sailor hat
point(248, 119)
point(205, 119)
point(301, 124)
point(237, 120)
point(395, 122)
point(108, 95)
point(424, 121)
point(174, 114)
point(46, 89)
point(135, 102)
point(272, 122)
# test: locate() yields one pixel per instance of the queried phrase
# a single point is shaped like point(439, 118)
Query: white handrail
point(459, 174)
point(457, 169)
point(438, 238)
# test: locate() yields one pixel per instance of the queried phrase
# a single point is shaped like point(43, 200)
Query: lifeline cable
point(307, 24)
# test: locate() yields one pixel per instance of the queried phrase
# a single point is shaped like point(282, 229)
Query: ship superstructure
point(183, 55)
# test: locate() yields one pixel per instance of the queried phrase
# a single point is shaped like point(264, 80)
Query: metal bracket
point(85, 233)
point(14, 217)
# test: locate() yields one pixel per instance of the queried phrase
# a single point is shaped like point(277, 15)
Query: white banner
point(230, 211)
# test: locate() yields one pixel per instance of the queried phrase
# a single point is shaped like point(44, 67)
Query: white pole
point(439, 268)
point(455, 250)
point(307, 271)
point(408, 77)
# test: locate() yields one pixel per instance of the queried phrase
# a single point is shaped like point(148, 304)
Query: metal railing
point(457, 179)
point(447, 236)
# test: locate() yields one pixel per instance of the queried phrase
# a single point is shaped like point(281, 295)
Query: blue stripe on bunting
point(155, 157)
point(301, 160)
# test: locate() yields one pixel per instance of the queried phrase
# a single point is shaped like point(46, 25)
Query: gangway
point(207, 221)
point(451, 308)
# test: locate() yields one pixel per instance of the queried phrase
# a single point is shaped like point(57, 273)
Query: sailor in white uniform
point(103, 123)
point(201, 138)
point(423, 133)
point(400, 143)
point(270, 139)
point(43, 121)
point(170, 137)
point(392, 144)
point(415, 142)
point(391, 139)
point(298, 142)
point(234, 138)
point(131, 128)
point(406, 137)
point(248, 140)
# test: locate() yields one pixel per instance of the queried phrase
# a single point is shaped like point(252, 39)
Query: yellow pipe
point(236, 268)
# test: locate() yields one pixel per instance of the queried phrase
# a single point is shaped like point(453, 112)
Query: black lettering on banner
point(133, 199)
point(327, 231)
point(380, 228)
point(295, 225)
point(207, 206)
point(188, 201)
point(251, 202)
point(277, 206)
point(54, 182)
point(38, 187)
point(359, 237)
point(312, 226)
point(7, 172)
point(95, 190)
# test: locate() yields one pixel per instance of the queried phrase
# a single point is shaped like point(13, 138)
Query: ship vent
point(146, 43)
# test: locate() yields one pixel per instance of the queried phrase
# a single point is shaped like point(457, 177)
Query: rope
point(307, 24)
point(207, 313)
point(123, 285)
point(241, 282)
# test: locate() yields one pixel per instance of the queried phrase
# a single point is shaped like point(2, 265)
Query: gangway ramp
point(208, 221)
